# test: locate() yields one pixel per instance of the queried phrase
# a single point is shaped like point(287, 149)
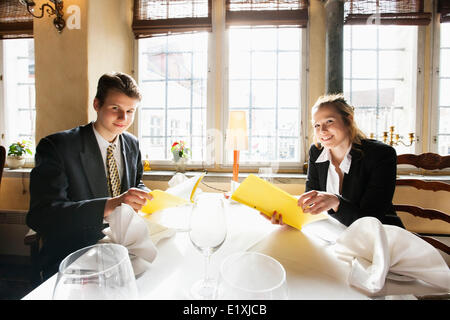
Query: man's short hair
point(117, 81)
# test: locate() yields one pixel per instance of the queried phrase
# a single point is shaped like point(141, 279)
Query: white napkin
point(132, 231)
point(184, 187)
point(375, 251)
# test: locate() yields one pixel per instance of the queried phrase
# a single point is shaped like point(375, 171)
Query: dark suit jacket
point(367, 189)
point(68, 190)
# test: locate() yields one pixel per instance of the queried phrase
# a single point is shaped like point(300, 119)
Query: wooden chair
point(427, 161)
point(2, 161)
point(33, 240)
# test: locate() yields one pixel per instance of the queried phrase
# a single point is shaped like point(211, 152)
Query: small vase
point(181, 165)
point(15, 162)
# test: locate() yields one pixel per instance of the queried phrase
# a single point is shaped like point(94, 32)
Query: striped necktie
point(113, 172)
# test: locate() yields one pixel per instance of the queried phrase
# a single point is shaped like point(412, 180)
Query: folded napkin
point(376, 251)
point(132, 231)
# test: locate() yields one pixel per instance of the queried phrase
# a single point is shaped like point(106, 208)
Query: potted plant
point(16, 154)
point(181, 154)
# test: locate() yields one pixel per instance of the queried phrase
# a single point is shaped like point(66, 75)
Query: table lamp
point(237, 138)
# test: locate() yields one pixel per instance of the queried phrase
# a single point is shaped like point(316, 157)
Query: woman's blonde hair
point(346, 111)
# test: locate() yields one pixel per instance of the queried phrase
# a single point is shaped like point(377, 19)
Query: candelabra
point(393, 139)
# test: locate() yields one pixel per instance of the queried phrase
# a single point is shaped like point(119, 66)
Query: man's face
point(115, 115)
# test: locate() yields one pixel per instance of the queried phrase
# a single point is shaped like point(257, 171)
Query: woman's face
point(329, 128)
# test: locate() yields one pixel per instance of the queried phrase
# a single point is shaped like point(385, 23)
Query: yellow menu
point(162, 200)
point(179, 195)
point(267, 198)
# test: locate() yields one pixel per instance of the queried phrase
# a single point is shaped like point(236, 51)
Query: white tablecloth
point(313, 270)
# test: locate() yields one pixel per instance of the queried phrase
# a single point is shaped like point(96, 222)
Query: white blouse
point(332, 175)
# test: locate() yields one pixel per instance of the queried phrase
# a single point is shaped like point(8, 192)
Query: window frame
point(168, 164)
point(217, 102)
point(418, 84)
point(433, 121)
point(303, 112)
point(6, 139)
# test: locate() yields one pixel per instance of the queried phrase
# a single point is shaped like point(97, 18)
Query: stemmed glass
point(207, 232)
point(98, 272)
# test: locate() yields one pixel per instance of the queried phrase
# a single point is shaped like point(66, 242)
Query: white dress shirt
point(332, 175)
point(103, 145)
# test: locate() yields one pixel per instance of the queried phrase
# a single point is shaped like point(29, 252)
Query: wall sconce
point(57, 10)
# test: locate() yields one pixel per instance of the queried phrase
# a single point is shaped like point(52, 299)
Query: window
point(17, 95)
point(380, 64)
point(173, 75)
point(259, 71)
point(19, 111)
point(443, 124)
point(264, 81)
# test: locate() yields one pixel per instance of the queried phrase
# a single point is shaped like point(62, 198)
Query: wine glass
point(98, 272)
point(252, 276)
point(207, 232)
point(266, 173)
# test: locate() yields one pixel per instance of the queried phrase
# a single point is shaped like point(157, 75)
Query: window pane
point(179, 94)
point(264, 65)
point(444, 57)
point(362, 37)
point(444, 121)
point(391, 65)
point(378, 80)
point(288, 66)
point(272, 85)
point(239, 93)
point(364, 64)
point(241, 67)
point(174, 107)
point(289, 93)
point(444, 93)
point(444, 144)
point(263, 122)
point(264, 93)
point(288, 124)
point(288, 148)
point(19, 89)
point(289, 39)
point(155, 94)
point(443, 132)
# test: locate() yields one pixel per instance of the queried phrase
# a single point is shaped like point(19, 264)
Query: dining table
point(313, 270)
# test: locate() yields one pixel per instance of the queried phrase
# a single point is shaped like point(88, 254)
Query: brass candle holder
point(393, 139)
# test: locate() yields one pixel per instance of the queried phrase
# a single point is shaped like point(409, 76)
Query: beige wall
point(61, 63)
point(110, 42)
point(69, 64)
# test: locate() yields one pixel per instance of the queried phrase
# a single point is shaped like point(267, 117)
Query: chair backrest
point(427, 161)
point(2, 161)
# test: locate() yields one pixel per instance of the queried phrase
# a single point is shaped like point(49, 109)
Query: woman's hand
point(315, 202)
point(275, 219)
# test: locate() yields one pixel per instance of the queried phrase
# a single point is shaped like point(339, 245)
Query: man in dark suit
point(81, 175)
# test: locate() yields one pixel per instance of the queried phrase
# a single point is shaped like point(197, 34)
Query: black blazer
point(367, 189)
point(68, 190)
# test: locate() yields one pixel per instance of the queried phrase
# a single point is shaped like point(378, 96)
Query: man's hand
point(134, 197)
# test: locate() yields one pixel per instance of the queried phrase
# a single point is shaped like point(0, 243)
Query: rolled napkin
point(376, 251)
point(130, 230)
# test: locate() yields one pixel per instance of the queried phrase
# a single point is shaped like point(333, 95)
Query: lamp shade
point(237, 138)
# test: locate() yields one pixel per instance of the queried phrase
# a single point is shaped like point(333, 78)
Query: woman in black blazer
point(349, 175)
